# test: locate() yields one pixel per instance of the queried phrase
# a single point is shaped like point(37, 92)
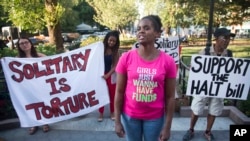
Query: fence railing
point(183, 74)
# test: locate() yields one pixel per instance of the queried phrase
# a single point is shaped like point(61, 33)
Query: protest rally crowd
point(141, 84)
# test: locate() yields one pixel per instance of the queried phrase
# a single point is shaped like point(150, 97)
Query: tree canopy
point(36, 15)
point(196, 12)
point(63, 15)
point(115, 14)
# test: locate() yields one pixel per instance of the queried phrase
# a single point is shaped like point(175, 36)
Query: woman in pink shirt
point(146, 78)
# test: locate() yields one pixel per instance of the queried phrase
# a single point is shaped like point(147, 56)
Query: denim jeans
point(142, 130)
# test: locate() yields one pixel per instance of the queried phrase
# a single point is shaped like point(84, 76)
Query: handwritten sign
point(169, 45)
point(222, 77)
point(59, 87)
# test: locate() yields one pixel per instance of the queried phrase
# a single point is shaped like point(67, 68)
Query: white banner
point(59, 87)
point(222, 77)
point(169, 45)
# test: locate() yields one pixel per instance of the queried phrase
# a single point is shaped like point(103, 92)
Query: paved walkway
point(86, 128)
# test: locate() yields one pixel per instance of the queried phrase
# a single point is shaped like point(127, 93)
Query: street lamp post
point(210, 27)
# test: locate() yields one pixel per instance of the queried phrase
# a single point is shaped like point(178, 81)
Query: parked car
point(36, 41)
point(69, 37)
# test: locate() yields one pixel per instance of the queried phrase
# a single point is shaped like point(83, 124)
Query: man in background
point(215, 105)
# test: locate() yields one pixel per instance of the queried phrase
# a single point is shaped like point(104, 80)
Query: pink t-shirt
point(144, 94)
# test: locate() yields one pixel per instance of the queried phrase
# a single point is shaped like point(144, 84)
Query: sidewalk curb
point(228, 111)
point(9, 124)
point(185, 111)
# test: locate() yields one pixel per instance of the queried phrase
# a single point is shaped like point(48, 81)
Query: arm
point(119, 99)
point(112, 70)
point(170, 85)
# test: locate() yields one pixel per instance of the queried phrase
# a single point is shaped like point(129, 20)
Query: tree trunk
point(55, 37)
point(54, 28)
point(168, 30)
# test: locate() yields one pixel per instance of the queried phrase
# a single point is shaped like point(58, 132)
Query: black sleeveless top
point(107, 62)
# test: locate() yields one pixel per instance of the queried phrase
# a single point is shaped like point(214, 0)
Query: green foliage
point(174, 14)
point(240, 48)
point(53, 15)
point(114, 14)
point(127, 43)
point(123, 43)
point(240, 52)
point(86, 13)
point(43, 48)
point(33, 17)
point(186, 59)
point(178, 12)
point(27, 15)
point(46, 49)
point(189, 51)
point(90, 40)
point(7, 52)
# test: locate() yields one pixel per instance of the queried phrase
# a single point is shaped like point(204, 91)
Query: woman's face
point(24, 44)
point(146, 32)
point(112, 41)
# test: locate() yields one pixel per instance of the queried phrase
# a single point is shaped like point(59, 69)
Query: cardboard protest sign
point(59, 87)
point(169, 45)
point(221, 77)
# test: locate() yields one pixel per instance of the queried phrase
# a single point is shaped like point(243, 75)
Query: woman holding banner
point(145, 91)
point(111, 55)
point(27, 50)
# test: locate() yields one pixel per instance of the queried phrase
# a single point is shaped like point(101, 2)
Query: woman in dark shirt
point(111, 45)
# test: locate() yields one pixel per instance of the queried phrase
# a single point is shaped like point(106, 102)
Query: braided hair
point(114, 49)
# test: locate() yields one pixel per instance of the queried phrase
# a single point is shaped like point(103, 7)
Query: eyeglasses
point(24, 43)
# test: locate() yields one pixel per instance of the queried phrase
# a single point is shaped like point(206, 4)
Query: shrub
point(43, 48)
point(7, 52)
point(128, 42)
point(91, 39)
point(46, 49)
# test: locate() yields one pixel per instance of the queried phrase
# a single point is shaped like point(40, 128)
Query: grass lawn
point(240, 48)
